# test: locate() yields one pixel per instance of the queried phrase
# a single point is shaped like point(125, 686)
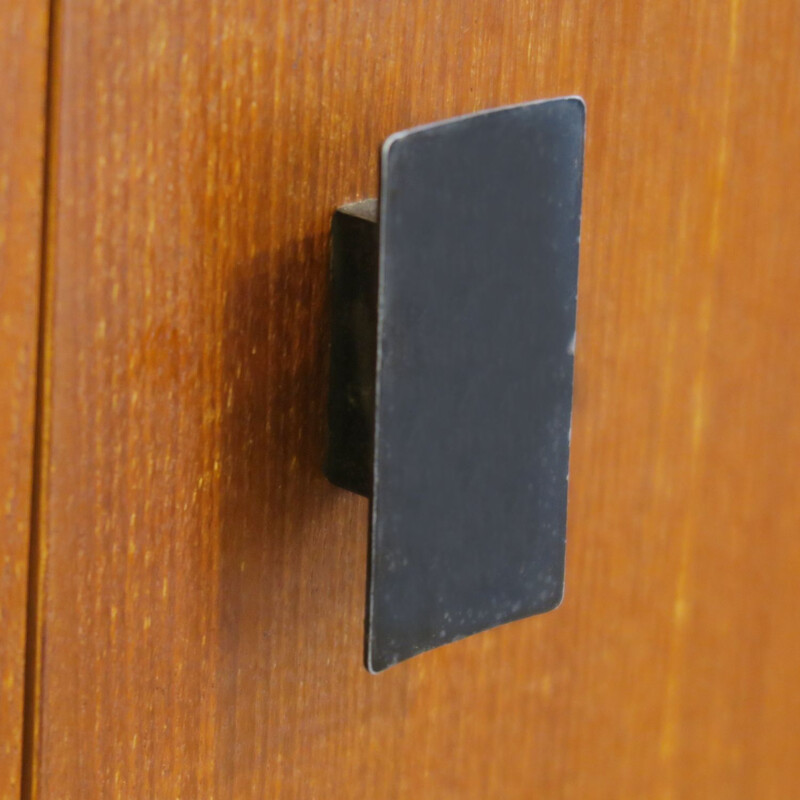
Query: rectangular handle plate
point(452, 369)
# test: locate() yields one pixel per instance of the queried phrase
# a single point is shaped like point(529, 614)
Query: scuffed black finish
point(478, 263)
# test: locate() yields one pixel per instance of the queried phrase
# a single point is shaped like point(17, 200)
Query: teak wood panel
point(23, 69)
point(202, 586)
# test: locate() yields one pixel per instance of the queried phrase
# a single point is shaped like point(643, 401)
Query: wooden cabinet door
point(198, 586)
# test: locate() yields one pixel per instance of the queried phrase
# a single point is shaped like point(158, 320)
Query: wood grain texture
point(23, 70)
point(203, 586)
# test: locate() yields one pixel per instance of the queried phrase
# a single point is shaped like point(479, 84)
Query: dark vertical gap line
point(34, 630)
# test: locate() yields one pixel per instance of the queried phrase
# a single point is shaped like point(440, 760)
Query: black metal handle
point(453, 310)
